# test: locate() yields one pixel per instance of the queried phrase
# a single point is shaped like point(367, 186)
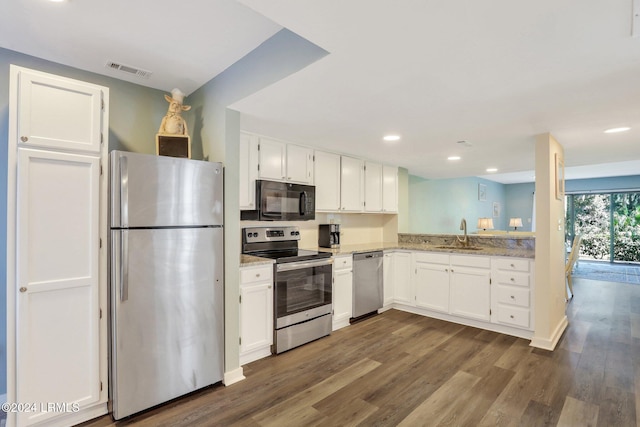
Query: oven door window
point(302, 289)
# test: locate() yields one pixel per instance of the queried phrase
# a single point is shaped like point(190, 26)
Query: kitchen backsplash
point(355, 228)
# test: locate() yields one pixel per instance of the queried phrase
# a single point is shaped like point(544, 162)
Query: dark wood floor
point(403, 369)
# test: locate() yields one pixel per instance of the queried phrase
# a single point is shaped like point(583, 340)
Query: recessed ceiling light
point(391, 137)
point(492, 169)
point(453, 158)
point(58, 1)
point(616, 130)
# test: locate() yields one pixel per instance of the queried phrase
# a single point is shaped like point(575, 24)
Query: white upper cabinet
point(343, 183)
point(248, 170)
point(55, 112)
point(327, 181)
point(299, 164)
point(352, 184)
point(272, 159)
point(389, 189)
point(280, 161)
point(373, 187)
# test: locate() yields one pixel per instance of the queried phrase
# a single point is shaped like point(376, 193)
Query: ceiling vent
point(129, 69)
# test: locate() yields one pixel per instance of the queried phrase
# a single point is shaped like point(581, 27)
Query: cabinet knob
point(512, 297)
point(513, 280)
point(257, 274)
point(511, 316)
point(24, 138)
point(269, 287)
point(513, 266)
point(23, 289)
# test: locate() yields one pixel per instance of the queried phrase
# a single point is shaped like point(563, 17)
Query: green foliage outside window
point(592, 219)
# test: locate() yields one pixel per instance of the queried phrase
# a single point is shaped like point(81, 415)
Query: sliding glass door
point(609, 224)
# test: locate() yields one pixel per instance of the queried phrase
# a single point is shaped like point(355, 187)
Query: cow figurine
point(173, 123)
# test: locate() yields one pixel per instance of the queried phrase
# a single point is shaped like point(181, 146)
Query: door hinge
point(240, 340)
point(240, 299)
point(100, 385)
point(101, 139)
point(489, 280)
point(100, 168)
point(100, 243)
point(100, 313)
point(258, 168)
point(314, 157)
point(258, 147)
point(102, 104)
point(489, 312)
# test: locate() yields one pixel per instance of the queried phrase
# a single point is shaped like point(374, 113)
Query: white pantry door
point(57, 279)
point(56, 248)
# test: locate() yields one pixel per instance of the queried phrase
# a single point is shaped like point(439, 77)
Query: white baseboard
point(233, 377)
point(551, 342)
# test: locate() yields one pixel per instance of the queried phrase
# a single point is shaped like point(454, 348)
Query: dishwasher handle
point(360, 256)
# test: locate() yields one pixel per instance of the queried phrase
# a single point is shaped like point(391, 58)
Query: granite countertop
point(485, 246)
point(491, 251)
point(250, 260)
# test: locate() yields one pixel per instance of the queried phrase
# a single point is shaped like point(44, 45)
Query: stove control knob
point(297, 233)
point(293, 233)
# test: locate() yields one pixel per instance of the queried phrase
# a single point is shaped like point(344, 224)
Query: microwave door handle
point(303, 202)
point(270, 215)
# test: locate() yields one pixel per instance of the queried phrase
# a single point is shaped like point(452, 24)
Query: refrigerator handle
point(124, 266)
point(124, 191)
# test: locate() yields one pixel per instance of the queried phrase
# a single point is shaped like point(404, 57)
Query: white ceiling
point(494, 73)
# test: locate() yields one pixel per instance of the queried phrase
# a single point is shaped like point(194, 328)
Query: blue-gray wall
point(438, 205)
point(519, 203)
point(616, 183)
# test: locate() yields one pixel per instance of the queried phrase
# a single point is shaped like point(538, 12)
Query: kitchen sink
point(464, 248)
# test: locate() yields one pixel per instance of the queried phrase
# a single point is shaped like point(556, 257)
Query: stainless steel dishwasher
point(367, 283)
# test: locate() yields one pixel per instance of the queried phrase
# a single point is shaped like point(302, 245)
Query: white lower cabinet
point(482, 291)
point(511, 299)
point(342, 290)
point(431, 278)
point(256, 312)
point(396, 269)
point(470, 283)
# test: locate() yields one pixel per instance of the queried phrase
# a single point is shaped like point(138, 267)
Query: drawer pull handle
point(512, 297)
point(513, 280)
point(257, 274)
point(511, 316)
point(513, 266)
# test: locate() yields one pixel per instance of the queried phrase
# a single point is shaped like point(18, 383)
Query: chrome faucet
point(465, 239)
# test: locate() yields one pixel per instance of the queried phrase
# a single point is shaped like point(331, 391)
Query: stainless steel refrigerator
point(166, 278)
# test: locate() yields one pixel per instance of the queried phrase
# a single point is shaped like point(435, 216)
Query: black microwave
point(282, 201)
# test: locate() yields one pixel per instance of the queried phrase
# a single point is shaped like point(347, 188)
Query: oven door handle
point(287, 266)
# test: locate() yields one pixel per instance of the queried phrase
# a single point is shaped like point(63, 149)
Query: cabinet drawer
point(512, 264)
point(514, 296)
point(509, 278)
point(431, 257)
point(471, 261)
point(514, 316)
point(257, 274)
point(343, 263)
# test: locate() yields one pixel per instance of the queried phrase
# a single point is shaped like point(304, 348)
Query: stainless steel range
point(303, 281)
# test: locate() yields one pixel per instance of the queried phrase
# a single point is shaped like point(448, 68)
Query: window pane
point(626, 227)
